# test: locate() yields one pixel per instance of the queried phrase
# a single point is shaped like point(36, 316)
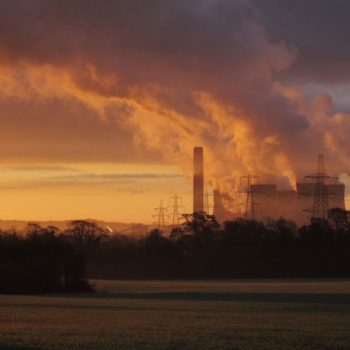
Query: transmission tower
point(320, 205)
point(161, 214)
point(175, 209)
point(207, 205)
point(246, 185)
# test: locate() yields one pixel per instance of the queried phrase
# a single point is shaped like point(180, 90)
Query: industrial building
point(269, 202)
point(261, 201)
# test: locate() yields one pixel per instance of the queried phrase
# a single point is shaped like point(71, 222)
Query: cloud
point(83, 180)
point(37, 168)
point(164, 76)
point(319, 29)
point(113, 177)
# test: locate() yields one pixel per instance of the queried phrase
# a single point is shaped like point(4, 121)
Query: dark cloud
point(204, 71)
point(183, 38)
point(217, 46)
point(320, 29)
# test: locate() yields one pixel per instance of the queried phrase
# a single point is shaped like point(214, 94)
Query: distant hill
point(111, 227)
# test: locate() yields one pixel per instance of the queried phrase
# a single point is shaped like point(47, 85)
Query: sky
point(102, 101)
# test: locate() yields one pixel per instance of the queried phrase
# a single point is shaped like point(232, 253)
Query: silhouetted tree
point(201, 248)
point(41, 261)
point(87, 234)
point(176, 234)
point(200, 223)
point(339, 217)
point(242, 231)
point(318, 232)
point(158, 253)
point(282, 228)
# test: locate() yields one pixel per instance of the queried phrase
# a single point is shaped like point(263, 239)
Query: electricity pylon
point(161, 215)
point(320, 205)
point(246, 185)
point(175, 209)
point(207, 205)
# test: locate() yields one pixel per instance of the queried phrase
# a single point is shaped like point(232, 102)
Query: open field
point(183, 315)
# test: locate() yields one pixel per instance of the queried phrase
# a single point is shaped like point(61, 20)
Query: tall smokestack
point(198, 180)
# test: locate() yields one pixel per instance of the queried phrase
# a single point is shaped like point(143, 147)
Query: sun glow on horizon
point(111, 192)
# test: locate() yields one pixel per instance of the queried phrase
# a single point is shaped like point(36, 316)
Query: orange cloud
point(187, 74)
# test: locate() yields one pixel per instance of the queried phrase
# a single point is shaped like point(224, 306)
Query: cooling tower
point(198, 180)
point(288, 204)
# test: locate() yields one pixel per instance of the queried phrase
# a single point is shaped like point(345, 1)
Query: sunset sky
point(102, 101)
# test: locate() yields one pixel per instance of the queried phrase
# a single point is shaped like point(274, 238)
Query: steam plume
point(178, 74)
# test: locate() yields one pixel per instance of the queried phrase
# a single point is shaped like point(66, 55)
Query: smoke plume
point(177, 74)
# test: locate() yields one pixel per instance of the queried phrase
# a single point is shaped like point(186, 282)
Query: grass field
point(183, 315)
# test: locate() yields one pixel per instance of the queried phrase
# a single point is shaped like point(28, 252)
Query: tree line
point(202, 248)
point(48, 260)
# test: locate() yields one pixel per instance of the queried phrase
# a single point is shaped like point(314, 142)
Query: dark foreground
point(183, 315)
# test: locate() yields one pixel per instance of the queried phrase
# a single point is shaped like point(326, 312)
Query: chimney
point(198, 180)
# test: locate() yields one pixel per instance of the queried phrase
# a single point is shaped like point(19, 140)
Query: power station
point(312, 197)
